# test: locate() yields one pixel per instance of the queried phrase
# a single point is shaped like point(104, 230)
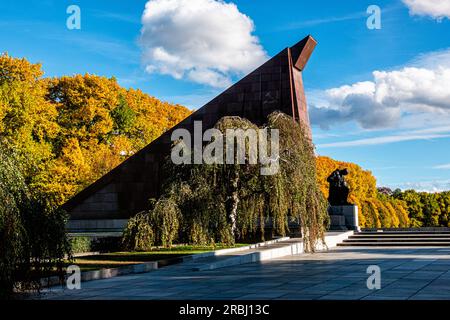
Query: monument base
point(344, 217)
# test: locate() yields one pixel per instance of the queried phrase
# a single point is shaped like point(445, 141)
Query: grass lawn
point(118, 259)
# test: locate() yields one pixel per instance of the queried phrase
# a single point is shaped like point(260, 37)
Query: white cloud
point(443, 166)
point(437, 9)
point(433, 60)
point(412, 92)
point(205, 41)
point(338, 95)
point(382, 140)
point(425, 186)
point(432, 133)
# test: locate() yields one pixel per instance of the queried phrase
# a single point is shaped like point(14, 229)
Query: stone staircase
point(398, 238)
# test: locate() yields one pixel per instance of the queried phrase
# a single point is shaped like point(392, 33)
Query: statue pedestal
point(344, 217)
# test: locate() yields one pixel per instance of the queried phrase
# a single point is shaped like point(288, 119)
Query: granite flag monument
point(124, 191)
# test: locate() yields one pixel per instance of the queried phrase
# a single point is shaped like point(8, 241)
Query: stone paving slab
point(337, 274)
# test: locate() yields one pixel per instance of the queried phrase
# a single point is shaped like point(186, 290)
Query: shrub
point(165, 217)
point(138, 234)
point(80, 244)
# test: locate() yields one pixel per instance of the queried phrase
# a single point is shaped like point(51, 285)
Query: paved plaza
point(421, 273)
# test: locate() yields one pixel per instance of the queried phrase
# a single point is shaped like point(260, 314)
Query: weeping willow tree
point(294, 192)
point(32, 237)
point(220, 202)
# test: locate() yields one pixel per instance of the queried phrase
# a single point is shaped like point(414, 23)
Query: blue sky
point(395, 122)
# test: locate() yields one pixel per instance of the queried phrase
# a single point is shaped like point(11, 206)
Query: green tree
point(123, 117)
point(415, 207)
point(32, 236)
point(431, 209)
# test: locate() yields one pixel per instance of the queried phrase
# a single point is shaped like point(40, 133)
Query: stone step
point(400, 236)
point(400, 240)
point(401, 232)
point(407, 238)
point(395, 244)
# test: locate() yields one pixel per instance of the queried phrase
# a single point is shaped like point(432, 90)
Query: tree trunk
point(235, 202)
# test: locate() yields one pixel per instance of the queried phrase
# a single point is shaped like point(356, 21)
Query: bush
point(80, 244)
point(138, 234)
point(11, 235)
point(165, 217)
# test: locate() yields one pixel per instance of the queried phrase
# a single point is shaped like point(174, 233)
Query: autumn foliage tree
point(71, 130)
point(27, 118)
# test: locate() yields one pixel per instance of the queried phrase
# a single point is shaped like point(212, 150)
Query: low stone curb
point(231, 250)
point(105, 273)
point(83, 254)
point(268, 254)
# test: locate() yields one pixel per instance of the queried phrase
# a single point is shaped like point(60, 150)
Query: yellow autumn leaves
point(69, 131)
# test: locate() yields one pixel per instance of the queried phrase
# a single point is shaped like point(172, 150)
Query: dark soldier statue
point(339, 189)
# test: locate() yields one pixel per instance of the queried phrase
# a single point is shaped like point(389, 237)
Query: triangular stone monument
point(276, 85)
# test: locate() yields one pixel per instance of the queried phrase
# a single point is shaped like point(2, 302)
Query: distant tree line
point(425, 209)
